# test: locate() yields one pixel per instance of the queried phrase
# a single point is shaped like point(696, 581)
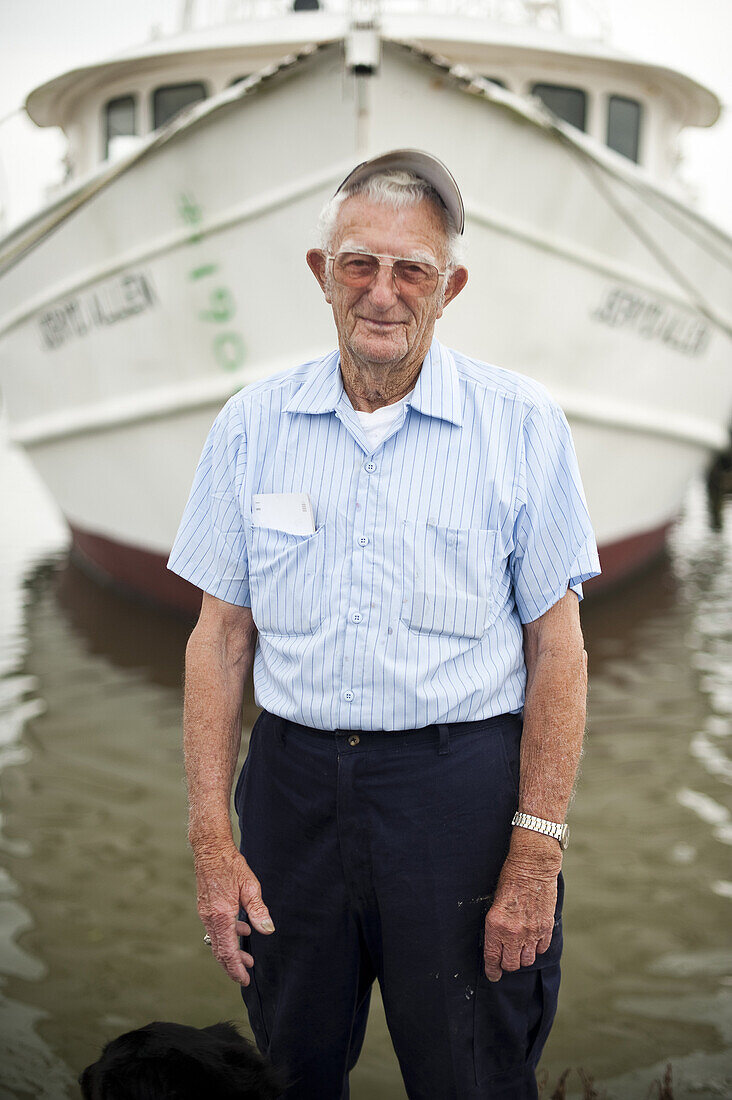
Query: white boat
point(168, 271)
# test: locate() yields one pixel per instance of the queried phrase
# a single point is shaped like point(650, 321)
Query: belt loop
point(444, 732)
point(282, 730)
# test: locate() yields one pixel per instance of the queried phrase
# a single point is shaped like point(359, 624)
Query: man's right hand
point(226, 883)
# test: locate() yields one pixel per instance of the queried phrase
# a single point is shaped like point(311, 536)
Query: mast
point(186, 15)
point(363, 53)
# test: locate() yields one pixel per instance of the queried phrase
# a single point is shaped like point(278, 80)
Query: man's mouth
point(381, 324)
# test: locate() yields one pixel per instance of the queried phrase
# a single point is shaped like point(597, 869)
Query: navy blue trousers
point(378, 854)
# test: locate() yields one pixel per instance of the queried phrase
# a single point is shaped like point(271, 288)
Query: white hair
point(396, 189)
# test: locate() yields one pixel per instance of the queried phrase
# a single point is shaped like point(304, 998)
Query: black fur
point(163, 1061)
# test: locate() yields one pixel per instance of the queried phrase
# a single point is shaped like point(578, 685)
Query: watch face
point(564, 839)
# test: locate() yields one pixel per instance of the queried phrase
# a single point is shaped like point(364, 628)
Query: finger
point(493, 972)
point(492, 961)
point(511, 957)
point(528, 955)
point(225, 948)
point(257, 911)
point(242, 928)
point(544, 943)
point(492, 948)
point(234, 962)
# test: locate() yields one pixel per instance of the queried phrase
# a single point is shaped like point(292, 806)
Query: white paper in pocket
point(291, 512)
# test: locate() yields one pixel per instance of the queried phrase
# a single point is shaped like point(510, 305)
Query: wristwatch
point(539, 825)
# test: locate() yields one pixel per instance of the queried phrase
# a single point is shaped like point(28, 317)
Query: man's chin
point(381, 349)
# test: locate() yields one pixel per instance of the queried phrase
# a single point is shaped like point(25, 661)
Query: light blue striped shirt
point(404, 608)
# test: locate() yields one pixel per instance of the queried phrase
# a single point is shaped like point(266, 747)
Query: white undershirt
point(377, 424)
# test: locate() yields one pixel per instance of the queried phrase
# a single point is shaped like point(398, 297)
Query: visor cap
point(421, 164)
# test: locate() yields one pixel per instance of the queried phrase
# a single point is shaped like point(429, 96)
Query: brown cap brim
point(424, 165)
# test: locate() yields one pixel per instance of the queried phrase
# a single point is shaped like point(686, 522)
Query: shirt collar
point(436, 391)
point(322, 388)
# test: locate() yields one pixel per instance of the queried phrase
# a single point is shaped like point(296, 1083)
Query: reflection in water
point(98, 930)
point(647, 975)
point(30, 530)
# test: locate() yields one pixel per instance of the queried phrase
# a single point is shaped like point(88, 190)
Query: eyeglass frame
point(383, 256)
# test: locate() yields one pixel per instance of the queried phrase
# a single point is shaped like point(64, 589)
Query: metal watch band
point(539, 825)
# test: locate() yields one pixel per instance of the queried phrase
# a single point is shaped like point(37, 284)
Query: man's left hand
point(520, 922)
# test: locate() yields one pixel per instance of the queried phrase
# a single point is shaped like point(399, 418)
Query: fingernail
point(267, 925)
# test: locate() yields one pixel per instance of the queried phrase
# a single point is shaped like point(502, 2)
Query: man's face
point(384, 324)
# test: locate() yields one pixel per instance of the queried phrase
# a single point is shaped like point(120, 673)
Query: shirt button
point(370, 467)
point(348, 696)
point(363, 541)
point(353, 740)
point(356, 617)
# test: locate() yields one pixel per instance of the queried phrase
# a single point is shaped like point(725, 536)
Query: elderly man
point(395, 536)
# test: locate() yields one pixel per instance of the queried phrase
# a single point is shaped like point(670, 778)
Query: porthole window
point(120, 124)
point(172, 98)
point(569, 103)
point(623, 126)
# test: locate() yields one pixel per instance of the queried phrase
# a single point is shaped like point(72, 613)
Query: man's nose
point(383, 290)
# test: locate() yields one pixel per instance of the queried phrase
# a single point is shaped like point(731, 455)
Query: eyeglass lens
point(360, 269)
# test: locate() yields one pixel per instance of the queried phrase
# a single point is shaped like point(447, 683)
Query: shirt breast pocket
point(448, 576)
point(286, 574)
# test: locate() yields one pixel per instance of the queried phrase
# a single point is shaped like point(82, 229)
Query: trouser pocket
point(513, 1017)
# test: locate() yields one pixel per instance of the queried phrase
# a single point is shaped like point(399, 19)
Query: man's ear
point(457, 280)
point(317, 263)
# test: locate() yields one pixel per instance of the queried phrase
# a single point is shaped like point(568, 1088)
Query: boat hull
point(144, 575)
point(187, 281)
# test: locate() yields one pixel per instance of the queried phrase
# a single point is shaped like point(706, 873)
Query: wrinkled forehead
point(416, 230)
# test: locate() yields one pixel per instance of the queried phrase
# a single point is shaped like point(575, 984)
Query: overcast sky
point(42, 38)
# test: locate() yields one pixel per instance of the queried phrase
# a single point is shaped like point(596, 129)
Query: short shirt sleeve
point(554, 544)
point(210, 548)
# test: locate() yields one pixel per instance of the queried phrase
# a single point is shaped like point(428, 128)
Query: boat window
point(171, 99)
point(569, 103)
point(119, 124)
point(238, 79)
point(495, 80)
point(623, 125)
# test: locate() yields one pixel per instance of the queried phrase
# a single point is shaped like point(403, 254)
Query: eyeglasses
point(360, 269)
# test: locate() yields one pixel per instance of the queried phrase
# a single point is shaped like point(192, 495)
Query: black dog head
point(173, 1062)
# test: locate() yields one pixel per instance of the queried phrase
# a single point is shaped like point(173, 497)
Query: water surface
point(98, 929)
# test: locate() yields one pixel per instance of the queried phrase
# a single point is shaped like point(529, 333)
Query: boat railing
point(587, 17)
